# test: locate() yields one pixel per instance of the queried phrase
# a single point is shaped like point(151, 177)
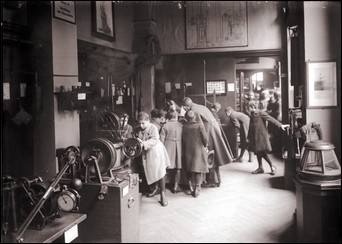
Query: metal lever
point(103, 191)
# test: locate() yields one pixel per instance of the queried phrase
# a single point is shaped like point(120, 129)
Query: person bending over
point(154, 157)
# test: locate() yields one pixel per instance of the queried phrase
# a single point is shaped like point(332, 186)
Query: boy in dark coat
point(194, 143)
point(259, 141)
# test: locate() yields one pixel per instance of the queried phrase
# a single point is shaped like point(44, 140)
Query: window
point(257, 79)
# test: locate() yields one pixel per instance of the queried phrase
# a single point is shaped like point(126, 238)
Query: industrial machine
point(95, 179)
point(33, 203)
point(110, 191)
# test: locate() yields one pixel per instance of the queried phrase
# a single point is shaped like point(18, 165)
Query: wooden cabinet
point(115, 218)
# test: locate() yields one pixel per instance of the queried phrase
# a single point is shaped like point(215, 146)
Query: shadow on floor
point(290, 233)
point(278, 182)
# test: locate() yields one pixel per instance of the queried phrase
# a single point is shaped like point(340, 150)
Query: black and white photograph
point(171, 122)
point(322, 88)
point(103, 19)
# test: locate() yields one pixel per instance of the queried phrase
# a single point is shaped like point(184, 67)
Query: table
point(54, 229)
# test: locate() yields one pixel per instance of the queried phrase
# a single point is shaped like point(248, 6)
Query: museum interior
point(74, 73)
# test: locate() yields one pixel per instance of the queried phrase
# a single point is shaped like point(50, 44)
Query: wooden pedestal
point(115, 218)
point(318, 211)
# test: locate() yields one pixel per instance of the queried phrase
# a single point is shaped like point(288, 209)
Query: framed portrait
point(216, 24)
point(103, 24)
point(65, 10)
point(321, 84)
point(219, 86)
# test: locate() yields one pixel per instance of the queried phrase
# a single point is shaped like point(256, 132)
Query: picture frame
point(321, 84)
point(216, 24)
point(220, 87)
point(65, 10)
point(103, 24)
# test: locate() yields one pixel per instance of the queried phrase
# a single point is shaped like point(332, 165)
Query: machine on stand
point(33, 203)
point(110, 192)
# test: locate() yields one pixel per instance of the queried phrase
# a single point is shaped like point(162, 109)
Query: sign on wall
point(65, 10)
point(213, 24)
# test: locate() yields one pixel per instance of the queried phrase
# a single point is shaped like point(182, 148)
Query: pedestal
point(112, 218)
point(318, 211)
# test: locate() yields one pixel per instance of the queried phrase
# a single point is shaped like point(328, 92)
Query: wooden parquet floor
point(245, 209)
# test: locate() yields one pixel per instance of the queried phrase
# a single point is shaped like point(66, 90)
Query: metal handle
point(103, 191)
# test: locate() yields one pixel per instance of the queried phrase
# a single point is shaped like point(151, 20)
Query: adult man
point(240, 121)
point(216, 142)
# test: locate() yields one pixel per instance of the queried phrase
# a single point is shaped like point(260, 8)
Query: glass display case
point(319, 161)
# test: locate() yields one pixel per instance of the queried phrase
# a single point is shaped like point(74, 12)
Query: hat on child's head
point(155, 113)
point(190, 115)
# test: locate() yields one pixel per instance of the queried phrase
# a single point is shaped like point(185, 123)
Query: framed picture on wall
point(216, 24)
point(321, 84)
point(103, 24)
point(65, 10)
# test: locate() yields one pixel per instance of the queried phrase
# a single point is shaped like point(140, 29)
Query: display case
point(318, 194)
point(319, 161)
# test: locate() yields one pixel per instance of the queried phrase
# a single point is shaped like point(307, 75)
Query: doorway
point(257, 75)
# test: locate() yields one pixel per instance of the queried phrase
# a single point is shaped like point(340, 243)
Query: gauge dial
point(67, 201)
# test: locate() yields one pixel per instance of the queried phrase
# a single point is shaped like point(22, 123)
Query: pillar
point(144, 26)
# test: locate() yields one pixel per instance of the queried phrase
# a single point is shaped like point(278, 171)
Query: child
point(240, 121)
point(163, 118)
point(154, 157)
point(156, 118)
point(258, 137)
point(171, 136)
point(127, 129)
point(195, 145)
point(216, 139)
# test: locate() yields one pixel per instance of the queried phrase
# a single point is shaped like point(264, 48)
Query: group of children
point(173, 144)
point(162, 145)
